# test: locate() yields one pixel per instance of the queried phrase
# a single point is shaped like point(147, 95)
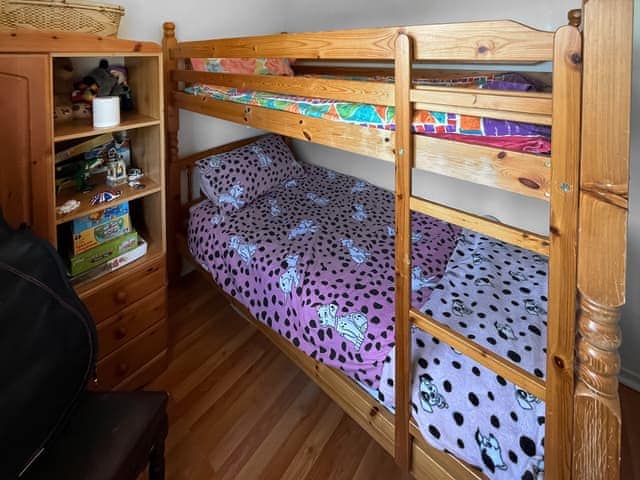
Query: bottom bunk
point(307, 254)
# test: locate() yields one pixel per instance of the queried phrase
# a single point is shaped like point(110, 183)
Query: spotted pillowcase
point(234, 179)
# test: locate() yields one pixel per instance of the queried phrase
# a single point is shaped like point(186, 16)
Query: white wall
point(199, 20)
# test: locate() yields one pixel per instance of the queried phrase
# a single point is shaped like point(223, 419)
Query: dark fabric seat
point(110, 436)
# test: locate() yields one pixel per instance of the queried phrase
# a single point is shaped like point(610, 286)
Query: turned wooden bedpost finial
point(575, 17)
point(169, 29)
point(597, 348)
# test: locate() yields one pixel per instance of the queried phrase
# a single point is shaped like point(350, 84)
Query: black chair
point(110, 436)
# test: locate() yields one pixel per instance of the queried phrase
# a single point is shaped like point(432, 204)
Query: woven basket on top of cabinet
point(61, 15)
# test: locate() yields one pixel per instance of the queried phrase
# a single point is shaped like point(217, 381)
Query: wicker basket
point(61, 15)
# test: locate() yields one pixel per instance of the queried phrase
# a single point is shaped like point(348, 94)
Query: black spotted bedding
point(314, 260)
point(495, 294)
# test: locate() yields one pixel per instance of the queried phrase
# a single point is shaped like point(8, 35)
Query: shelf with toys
point(109, 181)
point(54, 154)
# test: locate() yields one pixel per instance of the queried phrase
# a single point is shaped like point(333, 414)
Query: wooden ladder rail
point(560, 246)
point(563, 255)
point(403, 163)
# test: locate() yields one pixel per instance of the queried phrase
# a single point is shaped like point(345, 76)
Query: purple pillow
point(236, 178)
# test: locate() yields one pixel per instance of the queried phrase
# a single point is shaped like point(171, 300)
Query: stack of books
point(103, 242)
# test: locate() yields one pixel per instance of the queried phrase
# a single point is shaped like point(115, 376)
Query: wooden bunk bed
point(585, 181)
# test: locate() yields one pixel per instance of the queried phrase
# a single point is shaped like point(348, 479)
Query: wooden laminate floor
point(239, 409)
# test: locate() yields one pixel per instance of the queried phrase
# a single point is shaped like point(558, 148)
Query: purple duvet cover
point(314, 260)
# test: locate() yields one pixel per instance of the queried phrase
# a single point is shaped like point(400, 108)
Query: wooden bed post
point(403, 164)
point(172, 172)
point(604, 182)
point(563, 233)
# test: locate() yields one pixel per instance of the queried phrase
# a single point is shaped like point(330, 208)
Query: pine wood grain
point(250, 413)
point(26, 168)
point(604, 179)
point(517, 172)
point(403, 163)
point(480, 354)
point(459, 42)
point(344, 90)
point(515, 236)
point(563, 232)
point(630, 465)
point(29, 40)
point(201, 323)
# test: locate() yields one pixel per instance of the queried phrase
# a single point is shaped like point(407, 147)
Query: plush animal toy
point(104, 81)
point(122, 89)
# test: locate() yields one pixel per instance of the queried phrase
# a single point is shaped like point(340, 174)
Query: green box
point(103, 253)
point(103, 232)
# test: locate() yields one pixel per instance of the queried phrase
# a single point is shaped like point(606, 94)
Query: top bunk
point(488, 127)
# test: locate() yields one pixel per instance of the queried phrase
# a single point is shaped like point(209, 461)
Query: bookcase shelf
point(85, 208)
point(117, 299)
point(75, 129)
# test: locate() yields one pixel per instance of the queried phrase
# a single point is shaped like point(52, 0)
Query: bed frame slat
point(484, 356)
point(473, 42)
point(343, 90)
point(515, 236)
point(522, 173)
point(373, 142)
point(503, 105)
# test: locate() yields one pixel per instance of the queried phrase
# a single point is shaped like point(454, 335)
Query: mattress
point(504, 134)
point(314, 260)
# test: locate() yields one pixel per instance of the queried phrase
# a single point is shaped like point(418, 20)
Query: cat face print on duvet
point(314, 260)
point(494, 294)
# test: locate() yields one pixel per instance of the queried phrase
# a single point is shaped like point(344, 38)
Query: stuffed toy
point(104, 81)
point(122, 89)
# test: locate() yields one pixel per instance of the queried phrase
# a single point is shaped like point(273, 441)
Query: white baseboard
point(630, 379)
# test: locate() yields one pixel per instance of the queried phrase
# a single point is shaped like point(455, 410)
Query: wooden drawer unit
point(131, 322)
point(114, 297)
point(115, 368)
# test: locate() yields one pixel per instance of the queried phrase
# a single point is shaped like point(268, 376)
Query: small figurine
point(135, 174)
point(105, 197)
point(67, 207)
point(116, 172)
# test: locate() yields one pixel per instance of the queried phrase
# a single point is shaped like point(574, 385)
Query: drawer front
point(115, 368)
point(146, 374)
point(130, 322)
point(112, 298)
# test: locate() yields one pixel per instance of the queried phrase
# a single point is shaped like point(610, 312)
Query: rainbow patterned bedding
point(314, 260)
point(505, 134)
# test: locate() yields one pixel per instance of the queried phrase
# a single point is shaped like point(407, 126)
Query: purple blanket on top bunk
point(314, 260)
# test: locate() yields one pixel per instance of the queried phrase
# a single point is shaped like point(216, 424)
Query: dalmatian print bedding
point(314, 260)
point(495, 294)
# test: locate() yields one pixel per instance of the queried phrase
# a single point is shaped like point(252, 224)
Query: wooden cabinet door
point(26, 165)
